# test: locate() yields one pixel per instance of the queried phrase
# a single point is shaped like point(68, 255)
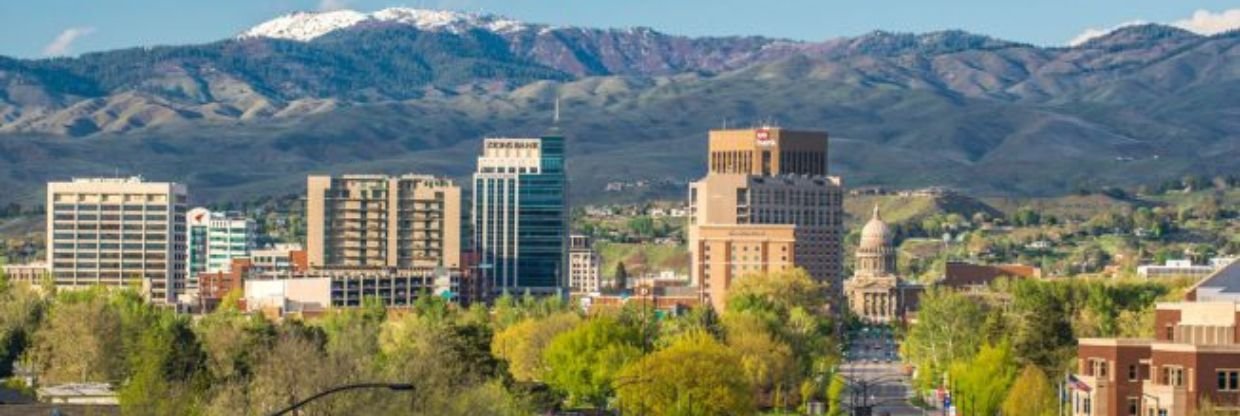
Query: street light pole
point(389, 386)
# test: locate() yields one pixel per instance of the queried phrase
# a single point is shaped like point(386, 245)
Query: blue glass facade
point(520, 216)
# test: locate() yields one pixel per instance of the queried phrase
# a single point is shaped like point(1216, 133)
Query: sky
point(44, 28)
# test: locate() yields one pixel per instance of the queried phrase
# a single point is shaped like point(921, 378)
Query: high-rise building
point(378, 221)
point(583, 265)
point(118, 232)
point(520, 220)
point(766, 204)
point(215, 239)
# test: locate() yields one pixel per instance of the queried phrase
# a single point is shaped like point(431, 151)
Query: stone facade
point(875, 293)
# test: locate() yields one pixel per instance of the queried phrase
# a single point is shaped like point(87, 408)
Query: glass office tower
point(520, 215)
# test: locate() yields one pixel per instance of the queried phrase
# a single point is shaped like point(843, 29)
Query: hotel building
point(378, 221)
point(520, 215)
point(766, 204)
point(215, 239)
point(118, 232)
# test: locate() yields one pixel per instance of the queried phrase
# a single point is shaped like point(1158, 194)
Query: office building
point(118, 232)
point(215, 239)
point(1193, 359)
point(584, 265)
point(520, 215)
point(378, 221)
point(766, 204)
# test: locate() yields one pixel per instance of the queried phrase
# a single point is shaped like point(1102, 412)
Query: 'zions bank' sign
point(512, 145)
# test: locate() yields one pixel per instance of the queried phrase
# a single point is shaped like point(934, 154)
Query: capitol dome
point(876, 234)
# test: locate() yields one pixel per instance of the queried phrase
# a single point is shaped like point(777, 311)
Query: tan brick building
point(409, 221)
point(765, 204)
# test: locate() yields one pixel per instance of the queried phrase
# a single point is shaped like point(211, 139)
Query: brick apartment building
point(1193, 359)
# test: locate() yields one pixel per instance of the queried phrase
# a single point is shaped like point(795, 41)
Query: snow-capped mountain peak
point(306, 26)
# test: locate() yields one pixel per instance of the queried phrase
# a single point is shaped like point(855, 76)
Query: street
point(875, 374)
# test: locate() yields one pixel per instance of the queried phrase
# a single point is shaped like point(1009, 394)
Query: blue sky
point(35, 28)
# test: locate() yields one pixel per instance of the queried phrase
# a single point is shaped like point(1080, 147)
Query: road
point(873, 365)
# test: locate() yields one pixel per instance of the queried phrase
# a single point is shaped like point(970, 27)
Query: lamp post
point(389, 386)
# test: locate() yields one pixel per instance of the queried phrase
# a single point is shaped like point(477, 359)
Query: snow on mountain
point(306, 26)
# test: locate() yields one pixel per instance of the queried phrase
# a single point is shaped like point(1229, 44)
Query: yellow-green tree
point(522, 345)
point(1031, 394)
point(768, 362)
point(980, 385)
point(695, 375)
point(583, 362)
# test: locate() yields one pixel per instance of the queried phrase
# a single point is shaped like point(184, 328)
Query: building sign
point(511, 145)
point(763, 137)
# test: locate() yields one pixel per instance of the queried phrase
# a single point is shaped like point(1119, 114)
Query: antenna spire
point(556, 118)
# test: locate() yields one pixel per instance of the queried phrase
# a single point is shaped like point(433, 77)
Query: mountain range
point(402, 90)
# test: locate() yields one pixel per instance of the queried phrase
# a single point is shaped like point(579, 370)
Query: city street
point(876, 375)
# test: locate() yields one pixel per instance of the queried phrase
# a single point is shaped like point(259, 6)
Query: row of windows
point(111, 246)
point(110, 227)
point(111, 217)
point(109, 207)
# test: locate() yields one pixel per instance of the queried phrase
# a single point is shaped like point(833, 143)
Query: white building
point(215, 238)
point(118, 232)
point(1183, 268)
point(584, 265)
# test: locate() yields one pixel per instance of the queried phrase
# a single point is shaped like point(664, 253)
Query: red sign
point(763, 137)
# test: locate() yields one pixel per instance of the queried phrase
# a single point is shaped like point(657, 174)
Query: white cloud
point(1094, 32)
point(330, 5)
point(1204, 22)
point(64, 41)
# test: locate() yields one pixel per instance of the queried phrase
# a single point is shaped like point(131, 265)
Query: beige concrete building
point(118, 232)
point(766, 189)
point(584, 265)
point(410, 221)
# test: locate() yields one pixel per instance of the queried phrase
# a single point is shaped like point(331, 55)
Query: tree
point(979, 385)
point(584, 361)
point(696, 375)
point(1031, 394)
point(777, 292)
point(522, 345)
point(622, 276)
point(169, 374)
point(768, 362)
point(835, 396)
point(21, 309)
point(1044, 334)
point(945, 331)
point(81, 340)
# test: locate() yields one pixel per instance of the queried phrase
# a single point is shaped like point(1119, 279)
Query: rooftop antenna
point(555, 119)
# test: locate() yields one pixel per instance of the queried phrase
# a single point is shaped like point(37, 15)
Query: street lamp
point(389, 386)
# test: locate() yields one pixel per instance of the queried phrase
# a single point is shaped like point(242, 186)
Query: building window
point(1134, 406)
point(1228, 380)
point(1132, 372)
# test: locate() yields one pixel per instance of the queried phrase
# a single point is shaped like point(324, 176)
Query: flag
point(1077, 384)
